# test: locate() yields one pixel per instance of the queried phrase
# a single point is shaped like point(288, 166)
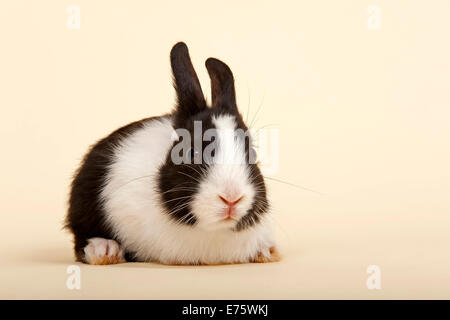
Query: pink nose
point(229, 201)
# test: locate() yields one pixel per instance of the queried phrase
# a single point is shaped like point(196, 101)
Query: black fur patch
point(178, 183)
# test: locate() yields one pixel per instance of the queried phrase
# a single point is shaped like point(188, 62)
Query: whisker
point(187, 175)
point(179, 208)
point(257, 111)
point(182, 219)
point(268, 125)
point(180, 189)
point(193, 168)
point(132, 180)
point(179, 198)
point(248, 105)
point(294, 185)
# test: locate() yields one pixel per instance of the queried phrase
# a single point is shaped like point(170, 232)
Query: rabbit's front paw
point(269, 255)
point(103, 251)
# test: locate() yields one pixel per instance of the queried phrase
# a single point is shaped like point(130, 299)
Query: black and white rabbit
point(131, 202)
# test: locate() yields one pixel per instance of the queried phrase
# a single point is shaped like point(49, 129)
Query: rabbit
point(131, 202)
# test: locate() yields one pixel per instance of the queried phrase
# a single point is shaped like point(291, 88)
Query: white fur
point(135, 213)
point(228, 176)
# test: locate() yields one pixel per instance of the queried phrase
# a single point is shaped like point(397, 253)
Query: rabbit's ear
point(222, 85)
point(190, 97)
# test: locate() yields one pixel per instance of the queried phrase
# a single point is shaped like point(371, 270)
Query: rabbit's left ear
point(222, 85)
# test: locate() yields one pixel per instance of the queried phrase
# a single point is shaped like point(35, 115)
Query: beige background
point(363, 117)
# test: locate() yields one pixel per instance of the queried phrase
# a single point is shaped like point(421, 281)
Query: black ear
point(222, 85)
point(189, 92)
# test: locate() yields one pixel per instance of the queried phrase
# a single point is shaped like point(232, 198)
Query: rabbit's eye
point(252, 155)
point(192, 154)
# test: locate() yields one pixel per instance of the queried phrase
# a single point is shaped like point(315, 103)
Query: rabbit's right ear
point(222, 85)
point(190, 97)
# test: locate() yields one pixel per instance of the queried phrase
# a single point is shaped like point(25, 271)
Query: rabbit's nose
point(229, 201)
